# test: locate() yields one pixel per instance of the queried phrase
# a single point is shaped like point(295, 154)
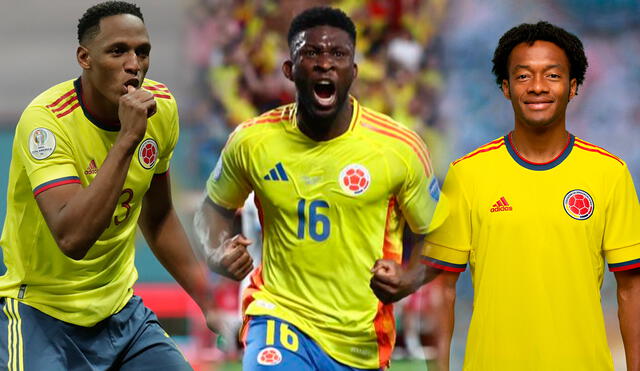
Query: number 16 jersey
point(328, 211)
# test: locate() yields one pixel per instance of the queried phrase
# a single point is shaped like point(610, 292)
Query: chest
point(566, 201)
point(346, 175)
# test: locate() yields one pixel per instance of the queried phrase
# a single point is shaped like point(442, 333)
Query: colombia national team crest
point(578, 204)
point(354, 179)
point(269, 356)
point(148, 153)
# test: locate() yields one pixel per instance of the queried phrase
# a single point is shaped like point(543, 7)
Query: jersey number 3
point(125, 204)
point(319, 225)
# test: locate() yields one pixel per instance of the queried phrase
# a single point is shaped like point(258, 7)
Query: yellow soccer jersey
point(535, 236)
point(328, 211)
point(57, 142)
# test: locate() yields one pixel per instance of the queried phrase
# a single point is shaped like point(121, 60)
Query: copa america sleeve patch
point(42, 143)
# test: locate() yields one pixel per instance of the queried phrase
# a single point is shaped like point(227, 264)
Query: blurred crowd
point(236, 50)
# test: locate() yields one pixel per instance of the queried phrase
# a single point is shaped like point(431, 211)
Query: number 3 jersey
point(57, 142)
point(328, 211)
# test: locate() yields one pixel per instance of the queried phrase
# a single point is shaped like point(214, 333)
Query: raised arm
point(65, 208)
point(629, 315)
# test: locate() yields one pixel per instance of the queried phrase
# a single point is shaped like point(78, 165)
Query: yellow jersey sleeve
point(229, 185)
point(447, 247)
point(621, 242)
point(420, 194)
point(44, 149)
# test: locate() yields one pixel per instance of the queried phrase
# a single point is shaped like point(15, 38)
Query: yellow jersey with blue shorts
point(57, 142)
point(536, 237)
point(328, 210)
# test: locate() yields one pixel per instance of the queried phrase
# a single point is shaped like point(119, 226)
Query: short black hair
point(321, 16)
point(543, 31)
point(89, 23)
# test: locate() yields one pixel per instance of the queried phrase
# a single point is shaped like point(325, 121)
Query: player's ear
point(287, 69)
point(83, 57)
point(573, 87)
point(355, 70)
point(505, 89)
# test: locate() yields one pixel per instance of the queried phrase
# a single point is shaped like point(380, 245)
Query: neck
point(541, 145)
point(101, 109)
point(323, 129)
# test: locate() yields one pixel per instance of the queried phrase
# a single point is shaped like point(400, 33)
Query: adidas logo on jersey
point(92, 168)
point(277, 173)
point(501, 205)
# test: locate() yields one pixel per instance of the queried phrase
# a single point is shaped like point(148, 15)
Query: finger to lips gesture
point(133, 110)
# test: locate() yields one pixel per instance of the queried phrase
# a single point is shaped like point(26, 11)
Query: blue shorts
point(131, 339)
point(273, 344)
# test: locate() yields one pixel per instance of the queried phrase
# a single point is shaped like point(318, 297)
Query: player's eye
point(554, 76)
point(339, 53)
point(309, 53)
point(117, 50)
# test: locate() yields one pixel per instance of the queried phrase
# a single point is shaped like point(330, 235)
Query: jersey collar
point(78, 86)
point(538, 166)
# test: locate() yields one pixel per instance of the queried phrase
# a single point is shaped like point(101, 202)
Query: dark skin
point(539, 88)
point(629, 315)
point(114, 64)
point(321, 54)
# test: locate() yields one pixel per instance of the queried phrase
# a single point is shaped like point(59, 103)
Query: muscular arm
point(224, 255)
point(77, 216)
point(168, 241)
point(629, 315)
point(448, 282)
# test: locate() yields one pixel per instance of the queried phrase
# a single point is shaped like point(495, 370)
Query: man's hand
point(134, 108)
point(391, 282)
point(216, 324)
point(231, 259)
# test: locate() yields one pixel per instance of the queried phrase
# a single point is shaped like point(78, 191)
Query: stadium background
point(425, 63)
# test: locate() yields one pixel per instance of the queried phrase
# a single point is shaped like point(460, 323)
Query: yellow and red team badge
point(354, 179)
point(148, 153)
point(269, 356)
point(578, 204)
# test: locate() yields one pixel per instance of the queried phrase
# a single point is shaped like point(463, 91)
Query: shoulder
point(49, 108)
point(163, 96)
point(595, 154)
point(272, 121)
point(485, 152)
point(389, 132)
point(59, 100)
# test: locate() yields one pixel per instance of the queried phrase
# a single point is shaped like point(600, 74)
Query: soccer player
point(535, 214)
point(334, 184)
point(90, 161)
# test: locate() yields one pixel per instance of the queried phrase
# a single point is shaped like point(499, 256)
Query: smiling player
point(334, 184)
point(535, 213)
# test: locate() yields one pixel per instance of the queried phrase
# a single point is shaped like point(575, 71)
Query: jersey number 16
point(319, 225)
